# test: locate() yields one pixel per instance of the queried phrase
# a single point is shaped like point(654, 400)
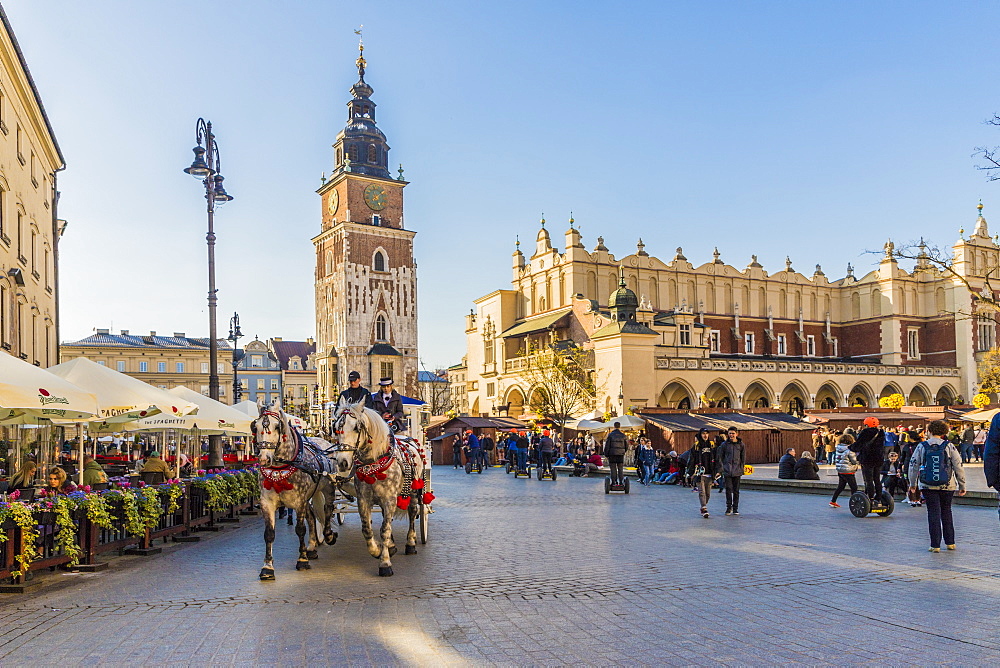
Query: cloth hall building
point(680, 334)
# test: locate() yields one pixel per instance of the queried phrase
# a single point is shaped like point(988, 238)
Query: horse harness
point(308, 458)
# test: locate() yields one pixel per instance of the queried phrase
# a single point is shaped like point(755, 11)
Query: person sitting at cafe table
point(58, 484)
point(93, 474)
point(25, 477)
point(186, 467)
point(156, 465)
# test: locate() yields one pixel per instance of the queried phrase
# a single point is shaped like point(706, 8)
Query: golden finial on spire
point(980, 206)
point(360, 62)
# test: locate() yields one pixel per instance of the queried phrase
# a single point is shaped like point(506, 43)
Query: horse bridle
point(266, 428)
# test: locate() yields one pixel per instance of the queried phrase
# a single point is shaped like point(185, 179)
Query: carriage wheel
point(860, 504)
point(423, 517)
point(340, 518)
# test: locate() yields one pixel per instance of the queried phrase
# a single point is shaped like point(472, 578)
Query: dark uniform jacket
point(394, 407)
point(616, 444)
point(355, 394)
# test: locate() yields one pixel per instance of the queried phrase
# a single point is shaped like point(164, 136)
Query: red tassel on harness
point(417, 484)
point(402, 502)
point(428, 497)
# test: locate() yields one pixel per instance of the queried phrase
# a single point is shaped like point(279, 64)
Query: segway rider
point(870, 448)
point(388, 402)
point(356, 392)
point(731, 456)
point(936, 467)
point(701, 467)
point(522, 453)
point(475, 448)
point(546, 448)
point(615, 446)
point(510, 445)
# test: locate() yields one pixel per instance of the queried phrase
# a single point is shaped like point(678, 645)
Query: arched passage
point(890, 389)
point(515, 401)
point(676, 394)
point(829, 396)
point(860, 395)
point(794, 399)
point(758, 395)
point(919, 396)
point(720, 395)
point(945, 396)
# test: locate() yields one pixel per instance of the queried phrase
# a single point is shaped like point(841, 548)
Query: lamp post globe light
point(235, 334)
point(207, 167)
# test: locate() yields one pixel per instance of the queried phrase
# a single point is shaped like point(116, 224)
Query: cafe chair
point(153, 477)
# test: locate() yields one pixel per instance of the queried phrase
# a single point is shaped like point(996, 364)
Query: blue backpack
point(936, 469)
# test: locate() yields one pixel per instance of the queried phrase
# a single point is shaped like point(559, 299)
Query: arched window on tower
point(372, 153)
point(379, 263)
point(381, 328)
point(340, 157)
point(352, 152)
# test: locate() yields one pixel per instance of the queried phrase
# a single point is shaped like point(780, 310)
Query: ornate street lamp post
point(235, 334)
point(207, 167)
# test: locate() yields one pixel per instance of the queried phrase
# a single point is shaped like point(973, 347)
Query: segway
point(470, 467)
point(526, 473)
point(861, 505)
point(611, 487)
point(546, 474)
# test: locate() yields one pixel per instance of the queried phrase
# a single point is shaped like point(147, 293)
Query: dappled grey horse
point(293, 474)
point(387, 473)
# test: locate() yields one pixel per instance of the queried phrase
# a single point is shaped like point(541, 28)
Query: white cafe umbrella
point(27, 390)
point(213, 417)
point(984, 415)
point(626, 421)
point(248, 407)
point(121, 398)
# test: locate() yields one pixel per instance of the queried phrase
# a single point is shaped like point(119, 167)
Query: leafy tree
point(981, 400)
point(562, 380)
point(989, 372)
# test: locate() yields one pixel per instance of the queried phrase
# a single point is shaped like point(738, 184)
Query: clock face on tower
point(375, 197)
point(333, 203)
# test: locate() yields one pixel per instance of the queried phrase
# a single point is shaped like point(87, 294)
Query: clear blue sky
point(815, 130)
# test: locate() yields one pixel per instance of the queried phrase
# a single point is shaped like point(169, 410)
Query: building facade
point(365, 280)
point(162, 361)
point(297, 361)
point(259, 373)
point(712, 334)
point(29, 224)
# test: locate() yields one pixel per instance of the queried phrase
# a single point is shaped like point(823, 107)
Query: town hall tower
point(366, 279)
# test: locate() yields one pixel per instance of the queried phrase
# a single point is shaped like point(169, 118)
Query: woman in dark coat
point(806, 468)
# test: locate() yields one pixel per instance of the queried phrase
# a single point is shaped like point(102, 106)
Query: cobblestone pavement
point(522, 572)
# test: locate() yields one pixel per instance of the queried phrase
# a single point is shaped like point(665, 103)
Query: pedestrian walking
point(936, 468)
point(701, 467)
point(991, 454)
point(847, 466)
point(645, 458)
point(968, 449)
point(456, 450)
point(731, 457)
point(615, 446)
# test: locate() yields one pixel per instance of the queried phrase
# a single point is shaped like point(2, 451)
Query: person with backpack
point(936, 469)
point(615, 446)
point(847, 466)
point(870, 448)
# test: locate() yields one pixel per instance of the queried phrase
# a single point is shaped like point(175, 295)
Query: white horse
point(387, 472)
point(294, 475)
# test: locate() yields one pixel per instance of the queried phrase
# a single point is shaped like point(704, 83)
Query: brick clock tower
point(366, 277)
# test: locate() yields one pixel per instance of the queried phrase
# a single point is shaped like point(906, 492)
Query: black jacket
point(731, 458)
point(355, 394)
point(870, 446)
point(806, 469)
point(702, 453)
point(786, 467)
point(616, 444)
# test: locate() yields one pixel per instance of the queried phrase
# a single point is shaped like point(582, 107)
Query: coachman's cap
point(384, 382)
point(354, 375)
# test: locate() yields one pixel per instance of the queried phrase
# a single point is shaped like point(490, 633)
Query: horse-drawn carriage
point(313, 477)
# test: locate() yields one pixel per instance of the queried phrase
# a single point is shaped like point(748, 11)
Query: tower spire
point(360, 62)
